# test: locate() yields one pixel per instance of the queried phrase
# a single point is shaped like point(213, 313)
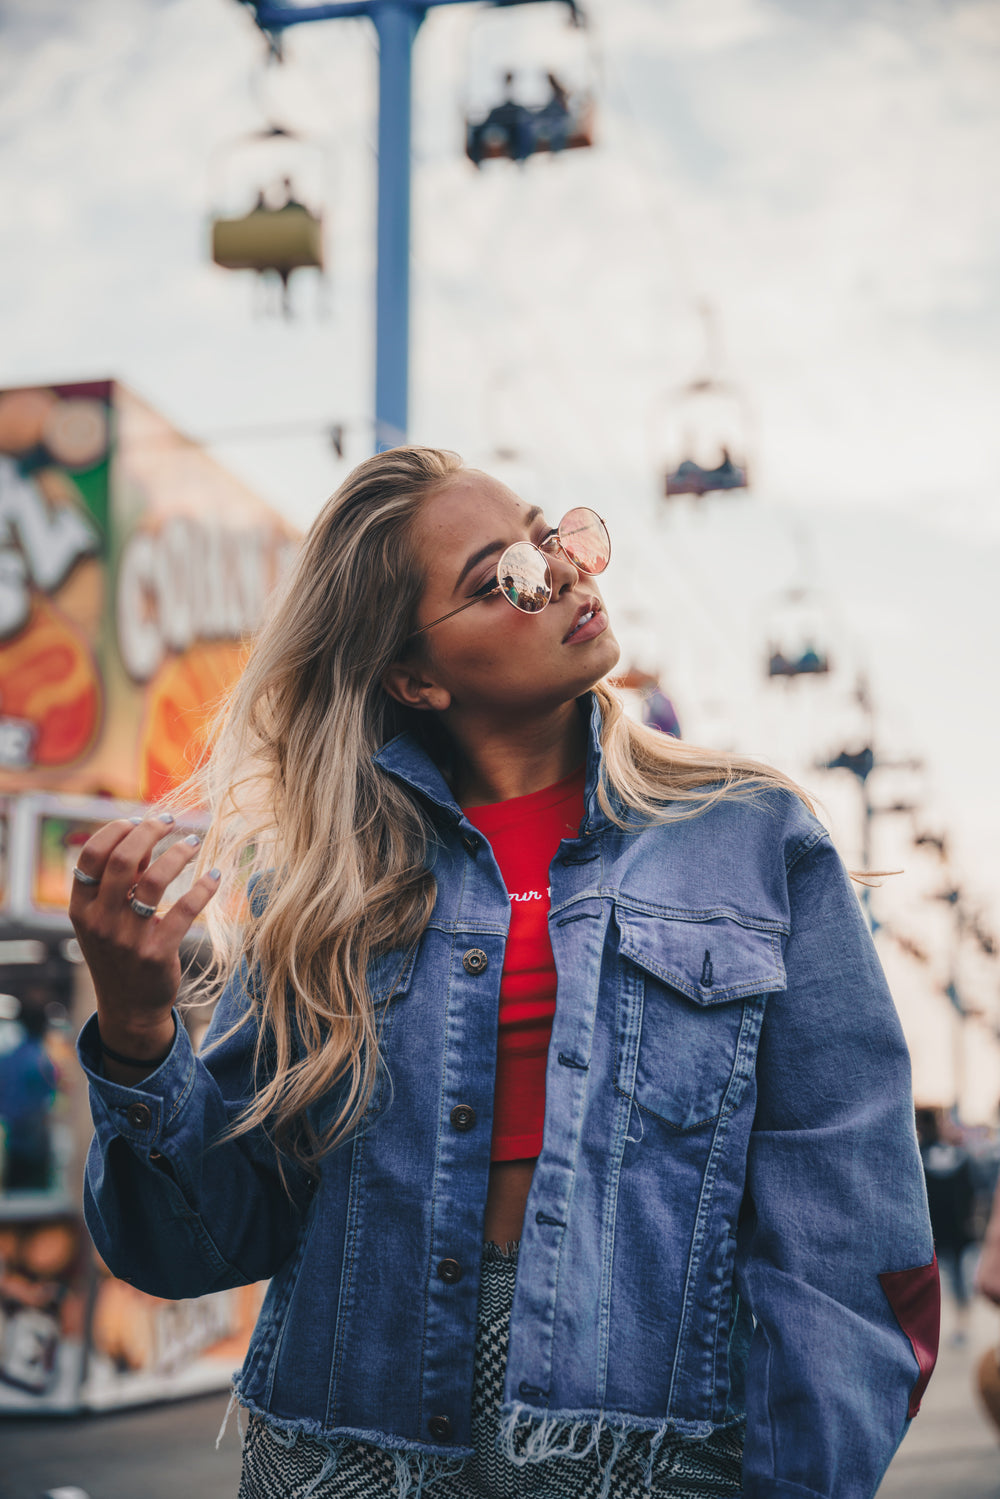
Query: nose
point(565, 574)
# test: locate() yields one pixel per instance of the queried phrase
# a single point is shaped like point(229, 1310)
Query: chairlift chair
point(796, 624)
point(709, 448)
point(279, 234)
point(540, 110)
point(705, 448)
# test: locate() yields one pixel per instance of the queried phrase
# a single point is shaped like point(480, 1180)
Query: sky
point(821, 175)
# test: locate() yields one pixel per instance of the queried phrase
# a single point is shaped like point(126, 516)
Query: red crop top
point(524, 834)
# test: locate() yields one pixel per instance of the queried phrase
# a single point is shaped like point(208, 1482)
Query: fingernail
point(215, 874)
point(135, 821)
point(166, 817)
point(192, 840)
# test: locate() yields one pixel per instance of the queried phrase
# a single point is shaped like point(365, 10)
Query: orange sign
point(133, 571)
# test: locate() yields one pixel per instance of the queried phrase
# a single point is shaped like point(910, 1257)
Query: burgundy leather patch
point(915, 1298)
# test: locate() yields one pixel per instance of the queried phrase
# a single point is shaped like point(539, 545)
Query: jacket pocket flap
point(390, 973)
point(710, 961)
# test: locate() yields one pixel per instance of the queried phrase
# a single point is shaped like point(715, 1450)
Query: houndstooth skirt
point(278, 1465)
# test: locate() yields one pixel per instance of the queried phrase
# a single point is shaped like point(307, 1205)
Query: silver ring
point(82, 878)
point(141, 909)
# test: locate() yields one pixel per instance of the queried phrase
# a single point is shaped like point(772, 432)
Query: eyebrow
point(493, 546)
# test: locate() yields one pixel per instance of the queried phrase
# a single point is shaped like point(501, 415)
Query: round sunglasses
point(523, 575)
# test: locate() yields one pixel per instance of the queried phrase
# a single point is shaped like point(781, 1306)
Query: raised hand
point(130, 944)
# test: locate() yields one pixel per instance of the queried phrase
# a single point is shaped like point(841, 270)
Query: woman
point(714, 1275)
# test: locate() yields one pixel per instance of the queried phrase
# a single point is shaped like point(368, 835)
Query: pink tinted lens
point(585, 540)
point(524, 577)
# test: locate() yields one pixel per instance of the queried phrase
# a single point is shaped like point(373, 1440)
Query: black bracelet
point(148, 1065)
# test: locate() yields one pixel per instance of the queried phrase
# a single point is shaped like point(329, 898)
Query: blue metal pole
point(396, 23)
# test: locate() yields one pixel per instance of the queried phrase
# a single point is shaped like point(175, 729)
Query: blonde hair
point(294, 794)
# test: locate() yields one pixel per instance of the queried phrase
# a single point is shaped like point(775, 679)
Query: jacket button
point(450, 1271)
point(463, 1116)
point(439, 1428)
point(139, 1115)
point(475, 960)
point(471, 843)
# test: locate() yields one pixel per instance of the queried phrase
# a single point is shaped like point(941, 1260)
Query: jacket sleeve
point(169, 1208)
point(834, 1252)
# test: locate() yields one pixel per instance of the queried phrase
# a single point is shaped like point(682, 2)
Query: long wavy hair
point(294, 795)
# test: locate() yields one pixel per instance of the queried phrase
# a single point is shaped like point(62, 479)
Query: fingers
point(120, 858)
point(152, 879)
point(115, 856)
point(93, 856)
point(174, 923)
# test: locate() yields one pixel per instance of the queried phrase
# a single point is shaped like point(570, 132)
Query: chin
point(609, 654)
point(603, 661)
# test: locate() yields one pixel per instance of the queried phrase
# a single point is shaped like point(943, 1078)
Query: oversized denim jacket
point(727, 1219)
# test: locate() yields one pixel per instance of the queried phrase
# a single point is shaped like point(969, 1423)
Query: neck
point(500, 761)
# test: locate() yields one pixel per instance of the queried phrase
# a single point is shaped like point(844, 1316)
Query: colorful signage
point(73, 1337)
point(133, 571)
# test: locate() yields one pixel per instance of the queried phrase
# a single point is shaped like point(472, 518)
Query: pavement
point(951, 1451)
point(168, 1451)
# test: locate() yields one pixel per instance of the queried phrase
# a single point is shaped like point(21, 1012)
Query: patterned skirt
point(279, 1465)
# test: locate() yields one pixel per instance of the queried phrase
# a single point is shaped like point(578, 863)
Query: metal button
point(450, 1272)
point(439, 1428)
point(471, 843)
point(475, 960)
point(463, 1116)
point(139, 1115)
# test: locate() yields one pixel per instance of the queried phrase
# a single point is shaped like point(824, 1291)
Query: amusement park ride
point(279, 233)
point(795, 631)
point(709, 421)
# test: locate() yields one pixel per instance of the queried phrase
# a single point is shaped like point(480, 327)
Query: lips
point(588, 622)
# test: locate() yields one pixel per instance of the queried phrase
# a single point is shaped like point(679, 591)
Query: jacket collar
point(406, 759)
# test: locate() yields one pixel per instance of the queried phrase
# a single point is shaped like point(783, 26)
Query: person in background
point(27, 1092)
point(951, 1200)
point(554, 1083)
point(987, 1275)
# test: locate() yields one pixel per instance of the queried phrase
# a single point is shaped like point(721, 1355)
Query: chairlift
point(709, 445)
point(279, 233)
point(540, 109)
point(795, 630)
point(936, 841)
point(706, 444)
point(810, 663)
point(860, 762)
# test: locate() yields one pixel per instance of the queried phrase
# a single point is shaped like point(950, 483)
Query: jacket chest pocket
point(692, 1002)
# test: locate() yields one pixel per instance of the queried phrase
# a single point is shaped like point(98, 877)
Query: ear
point(408, 683)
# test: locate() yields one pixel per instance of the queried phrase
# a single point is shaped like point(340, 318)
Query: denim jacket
point(727, 1220)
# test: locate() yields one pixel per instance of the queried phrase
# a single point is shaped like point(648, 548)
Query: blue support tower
point(397, 23)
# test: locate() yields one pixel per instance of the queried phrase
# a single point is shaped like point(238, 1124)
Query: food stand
point(133, 572)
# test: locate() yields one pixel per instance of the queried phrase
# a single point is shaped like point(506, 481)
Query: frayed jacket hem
point(417, 1464)
point(528, 1435)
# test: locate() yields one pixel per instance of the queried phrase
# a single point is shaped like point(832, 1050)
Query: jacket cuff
point(143, 1114)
